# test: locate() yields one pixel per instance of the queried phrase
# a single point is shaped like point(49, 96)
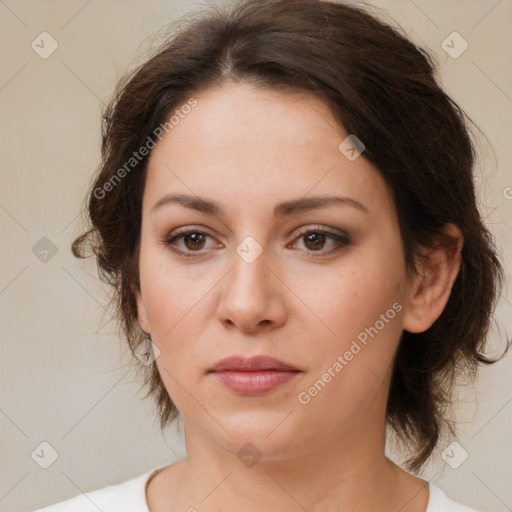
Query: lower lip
point(254, 383)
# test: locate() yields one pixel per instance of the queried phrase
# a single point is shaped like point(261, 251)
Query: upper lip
point(251, 364)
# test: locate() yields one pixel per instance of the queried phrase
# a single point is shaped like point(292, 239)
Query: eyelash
point(341, 239)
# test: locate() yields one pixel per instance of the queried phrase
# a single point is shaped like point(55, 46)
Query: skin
point(249, 148)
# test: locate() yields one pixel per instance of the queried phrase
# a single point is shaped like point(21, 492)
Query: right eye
point(193, 241)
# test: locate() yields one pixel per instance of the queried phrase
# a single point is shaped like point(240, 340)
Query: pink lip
point(251, 364)
point(253, 376)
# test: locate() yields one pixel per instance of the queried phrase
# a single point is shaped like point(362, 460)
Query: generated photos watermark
point(143, 151)
point(305, 397)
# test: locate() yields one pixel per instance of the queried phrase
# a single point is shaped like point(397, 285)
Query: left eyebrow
point(315, 202)
point(285, 208)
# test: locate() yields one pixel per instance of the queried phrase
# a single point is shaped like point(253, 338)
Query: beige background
point(65, 379)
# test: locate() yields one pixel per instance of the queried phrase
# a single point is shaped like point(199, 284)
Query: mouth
point(253, 376)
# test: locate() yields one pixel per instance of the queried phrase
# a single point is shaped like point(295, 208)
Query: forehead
point(260, 144)
point(242, 115)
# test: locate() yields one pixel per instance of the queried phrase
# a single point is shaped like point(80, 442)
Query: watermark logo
point(351, 147)
point(44, 250)
point(249, 454)
point(249, 249)
point(147, 352)
point(44, 455)
point(454, 455)
point(454, 45)
point(44, 45)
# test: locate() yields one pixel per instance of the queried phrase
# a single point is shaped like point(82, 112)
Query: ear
point(431, 287)
point(141, 312)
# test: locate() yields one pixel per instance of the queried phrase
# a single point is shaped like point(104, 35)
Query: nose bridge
point(249, 277)
point(249, 295)
point(251, 254)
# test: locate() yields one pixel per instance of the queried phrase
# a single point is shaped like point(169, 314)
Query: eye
point(315, 239)
point(192, 239)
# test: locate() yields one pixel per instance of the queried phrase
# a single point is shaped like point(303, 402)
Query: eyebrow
point(285, 208)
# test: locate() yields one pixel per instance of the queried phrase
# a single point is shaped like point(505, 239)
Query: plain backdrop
point(65, 375)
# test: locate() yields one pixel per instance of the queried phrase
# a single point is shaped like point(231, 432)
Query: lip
point(251, 364)
point(253, 376)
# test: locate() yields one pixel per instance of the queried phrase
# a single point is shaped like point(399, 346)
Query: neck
point(354, 476)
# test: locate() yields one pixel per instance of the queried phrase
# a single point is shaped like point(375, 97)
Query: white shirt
point(130, 496)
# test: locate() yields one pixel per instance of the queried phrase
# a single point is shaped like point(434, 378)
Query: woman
point(286, 213)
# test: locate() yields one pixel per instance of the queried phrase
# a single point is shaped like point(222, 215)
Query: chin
point(271, 436)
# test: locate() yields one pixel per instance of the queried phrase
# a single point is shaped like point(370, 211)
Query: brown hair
point(380, 87)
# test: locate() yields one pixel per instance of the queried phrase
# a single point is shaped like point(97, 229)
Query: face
point(257, 268)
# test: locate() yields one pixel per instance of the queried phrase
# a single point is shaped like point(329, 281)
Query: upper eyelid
point(300, 231)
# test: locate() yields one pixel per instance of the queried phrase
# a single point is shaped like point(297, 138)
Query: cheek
point(168, 292)
point(175, 310)
point(362, 308)
point(353, 366)
point(355, 296)
point(172, 302)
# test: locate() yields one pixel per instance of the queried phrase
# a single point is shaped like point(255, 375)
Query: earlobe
point(431, 288)
point(141, 312)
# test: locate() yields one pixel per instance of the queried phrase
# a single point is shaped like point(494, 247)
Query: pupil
point(315, 238)
point(196, 240)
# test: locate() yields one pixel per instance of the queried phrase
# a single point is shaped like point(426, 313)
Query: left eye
point(315, 239)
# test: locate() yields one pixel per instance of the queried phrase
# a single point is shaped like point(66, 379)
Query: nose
point(252, 296)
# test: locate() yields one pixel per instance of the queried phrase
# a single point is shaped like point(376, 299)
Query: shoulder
point(128, 496)
point(439, 502)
